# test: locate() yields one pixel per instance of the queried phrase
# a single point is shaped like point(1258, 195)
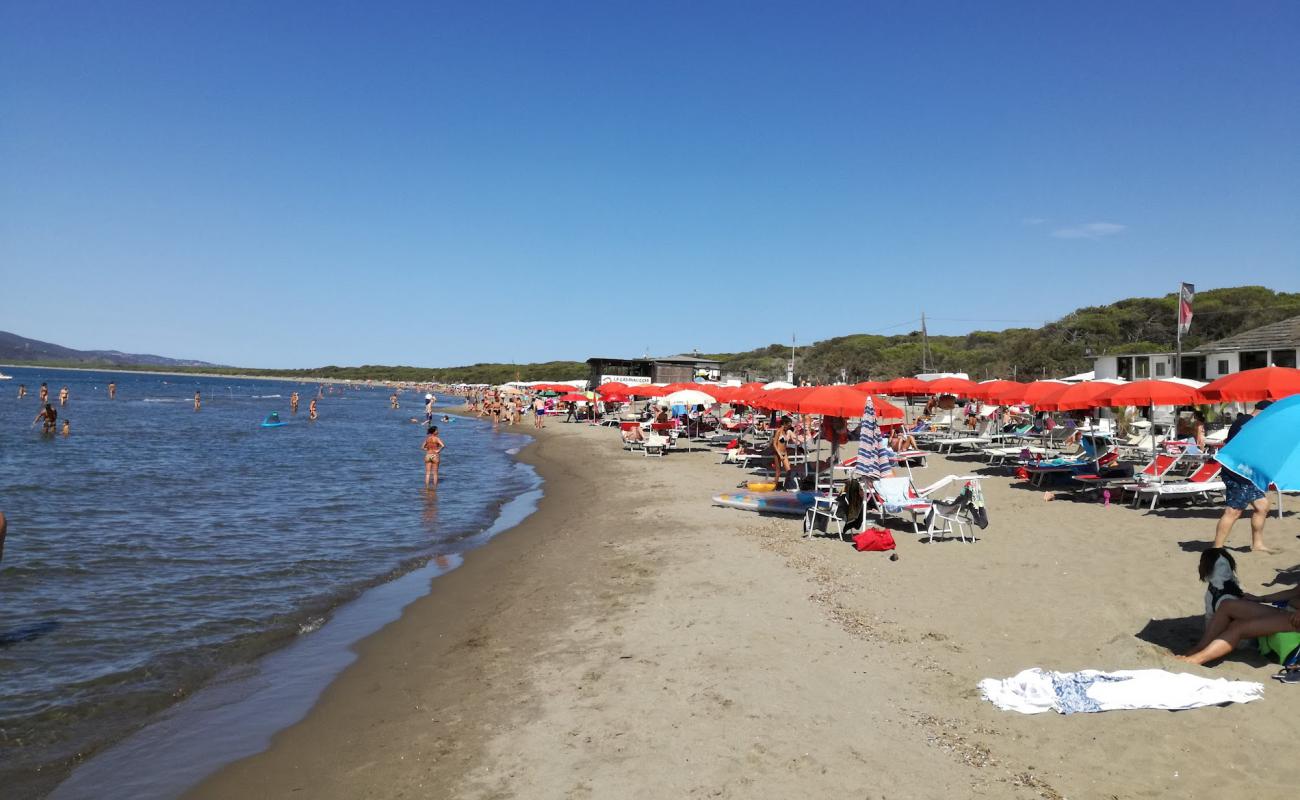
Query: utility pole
point(789, 370)
point(925, 346)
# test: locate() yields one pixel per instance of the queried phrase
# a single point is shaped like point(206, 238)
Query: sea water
point(157, 547)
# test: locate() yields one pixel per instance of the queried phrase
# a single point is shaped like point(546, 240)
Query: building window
point(1160, 369)
point(1124, 368)
point(1223, 366)
point(1141, 367)
point(1253, 359)
point(1284, 358)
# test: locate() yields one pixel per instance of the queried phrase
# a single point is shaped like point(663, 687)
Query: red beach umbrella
point(843, 401)
point(612, 387)
point(782, 399)
point(572, 397)
point(554, 387)
point(1151, 393)
point(997, 391)
point(870, 387)
point(1266, 383)
point(957, 386)
point(648, 390)
point(906, 386)
point(1040, 389)
point(1079, 396)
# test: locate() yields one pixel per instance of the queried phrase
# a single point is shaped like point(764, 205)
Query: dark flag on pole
point(1185, 295)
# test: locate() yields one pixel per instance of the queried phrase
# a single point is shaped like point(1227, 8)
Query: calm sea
point(156, 547)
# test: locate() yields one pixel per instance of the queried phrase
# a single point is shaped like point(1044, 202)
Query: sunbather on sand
point(1247, 618)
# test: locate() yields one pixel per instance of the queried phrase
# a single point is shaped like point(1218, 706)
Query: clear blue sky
point(295, 184)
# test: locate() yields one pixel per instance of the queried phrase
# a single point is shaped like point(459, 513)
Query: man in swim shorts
point(49, 419)
point(1241, 494)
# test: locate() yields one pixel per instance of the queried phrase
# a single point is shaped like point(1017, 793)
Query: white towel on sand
point(1034, 691)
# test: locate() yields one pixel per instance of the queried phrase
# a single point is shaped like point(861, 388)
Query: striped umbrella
point(873, 461)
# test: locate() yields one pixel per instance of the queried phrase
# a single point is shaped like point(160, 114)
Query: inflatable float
point(273, 420)
point(792, 503)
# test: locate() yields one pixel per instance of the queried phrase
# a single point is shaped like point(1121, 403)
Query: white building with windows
point(1273, 345)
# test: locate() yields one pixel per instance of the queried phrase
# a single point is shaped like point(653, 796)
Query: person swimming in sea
point(446, 418)
point(22, 391)
point(67, 427)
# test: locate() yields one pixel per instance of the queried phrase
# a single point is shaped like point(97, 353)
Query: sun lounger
point(1201, 483)
point(655, 445)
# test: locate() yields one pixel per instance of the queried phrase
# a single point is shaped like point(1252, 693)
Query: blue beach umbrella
point(1267, 449)
point(873, 461)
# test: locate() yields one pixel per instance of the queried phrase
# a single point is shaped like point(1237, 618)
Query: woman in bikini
point(1248, 618)
point(432, 447)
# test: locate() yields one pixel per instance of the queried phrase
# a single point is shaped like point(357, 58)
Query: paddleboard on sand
point(792, 503)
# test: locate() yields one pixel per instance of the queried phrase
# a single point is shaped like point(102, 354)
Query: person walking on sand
point(311, 410)
point(112, 390)
point(293, 403)
point(539, 413)
point(1241, 494)
point(63, 396)
point(198, 402)
point(432, 447)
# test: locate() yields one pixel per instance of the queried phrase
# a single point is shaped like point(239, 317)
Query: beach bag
point(874, 539)
point(1022, 473)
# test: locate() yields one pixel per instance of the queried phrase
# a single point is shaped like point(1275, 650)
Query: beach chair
point(982, 437)
point(625, 429)
point(1154, 472)
point(840, 509)
point(897, 498)
point(655, 445)
point(1201, 483)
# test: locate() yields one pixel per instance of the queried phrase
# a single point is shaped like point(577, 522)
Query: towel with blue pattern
point(1035, 691)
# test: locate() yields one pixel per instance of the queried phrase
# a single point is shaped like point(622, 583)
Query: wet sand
point(631, 640)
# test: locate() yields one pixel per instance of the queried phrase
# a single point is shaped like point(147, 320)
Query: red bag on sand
point(1022, 473)
point(874, 539)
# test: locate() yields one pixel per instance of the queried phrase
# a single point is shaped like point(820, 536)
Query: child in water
point(67, 427)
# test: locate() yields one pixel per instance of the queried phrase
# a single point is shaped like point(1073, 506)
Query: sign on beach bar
point(628, 380)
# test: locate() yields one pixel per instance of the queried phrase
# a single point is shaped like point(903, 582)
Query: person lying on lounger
point(1247, 618)
point(900, 440)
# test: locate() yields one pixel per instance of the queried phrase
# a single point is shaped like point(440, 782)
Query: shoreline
point(631, 640)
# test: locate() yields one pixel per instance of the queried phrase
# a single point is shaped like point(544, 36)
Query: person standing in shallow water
point(293, 403)
point(198, 402)
point(67, 427)
point(63, 396)
point(22, 391)
point(432, 447)
point(311, 410)
point(49, 419)
point(112, 390)
point(44, 394)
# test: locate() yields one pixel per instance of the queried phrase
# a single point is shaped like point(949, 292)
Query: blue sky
point(296, 184)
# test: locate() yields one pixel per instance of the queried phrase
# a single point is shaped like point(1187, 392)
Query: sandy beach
point(631, 640)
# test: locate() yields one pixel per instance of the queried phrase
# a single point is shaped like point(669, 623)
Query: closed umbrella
point(873, 461)
point(1266, 383)
point(1267, 449)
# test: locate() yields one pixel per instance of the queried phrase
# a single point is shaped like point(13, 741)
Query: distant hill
point(1063, 347)
point(15, 348)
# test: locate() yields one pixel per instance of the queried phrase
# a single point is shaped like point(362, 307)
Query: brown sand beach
point(631, 640)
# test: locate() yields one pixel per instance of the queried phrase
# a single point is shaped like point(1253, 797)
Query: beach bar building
point(1274, 345)
point(647, 369)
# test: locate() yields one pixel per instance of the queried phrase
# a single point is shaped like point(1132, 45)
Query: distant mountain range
point(16, 349)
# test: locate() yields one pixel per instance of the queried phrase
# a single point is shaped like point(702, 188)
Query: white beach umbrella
point(688, 397)
point(779, 385)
